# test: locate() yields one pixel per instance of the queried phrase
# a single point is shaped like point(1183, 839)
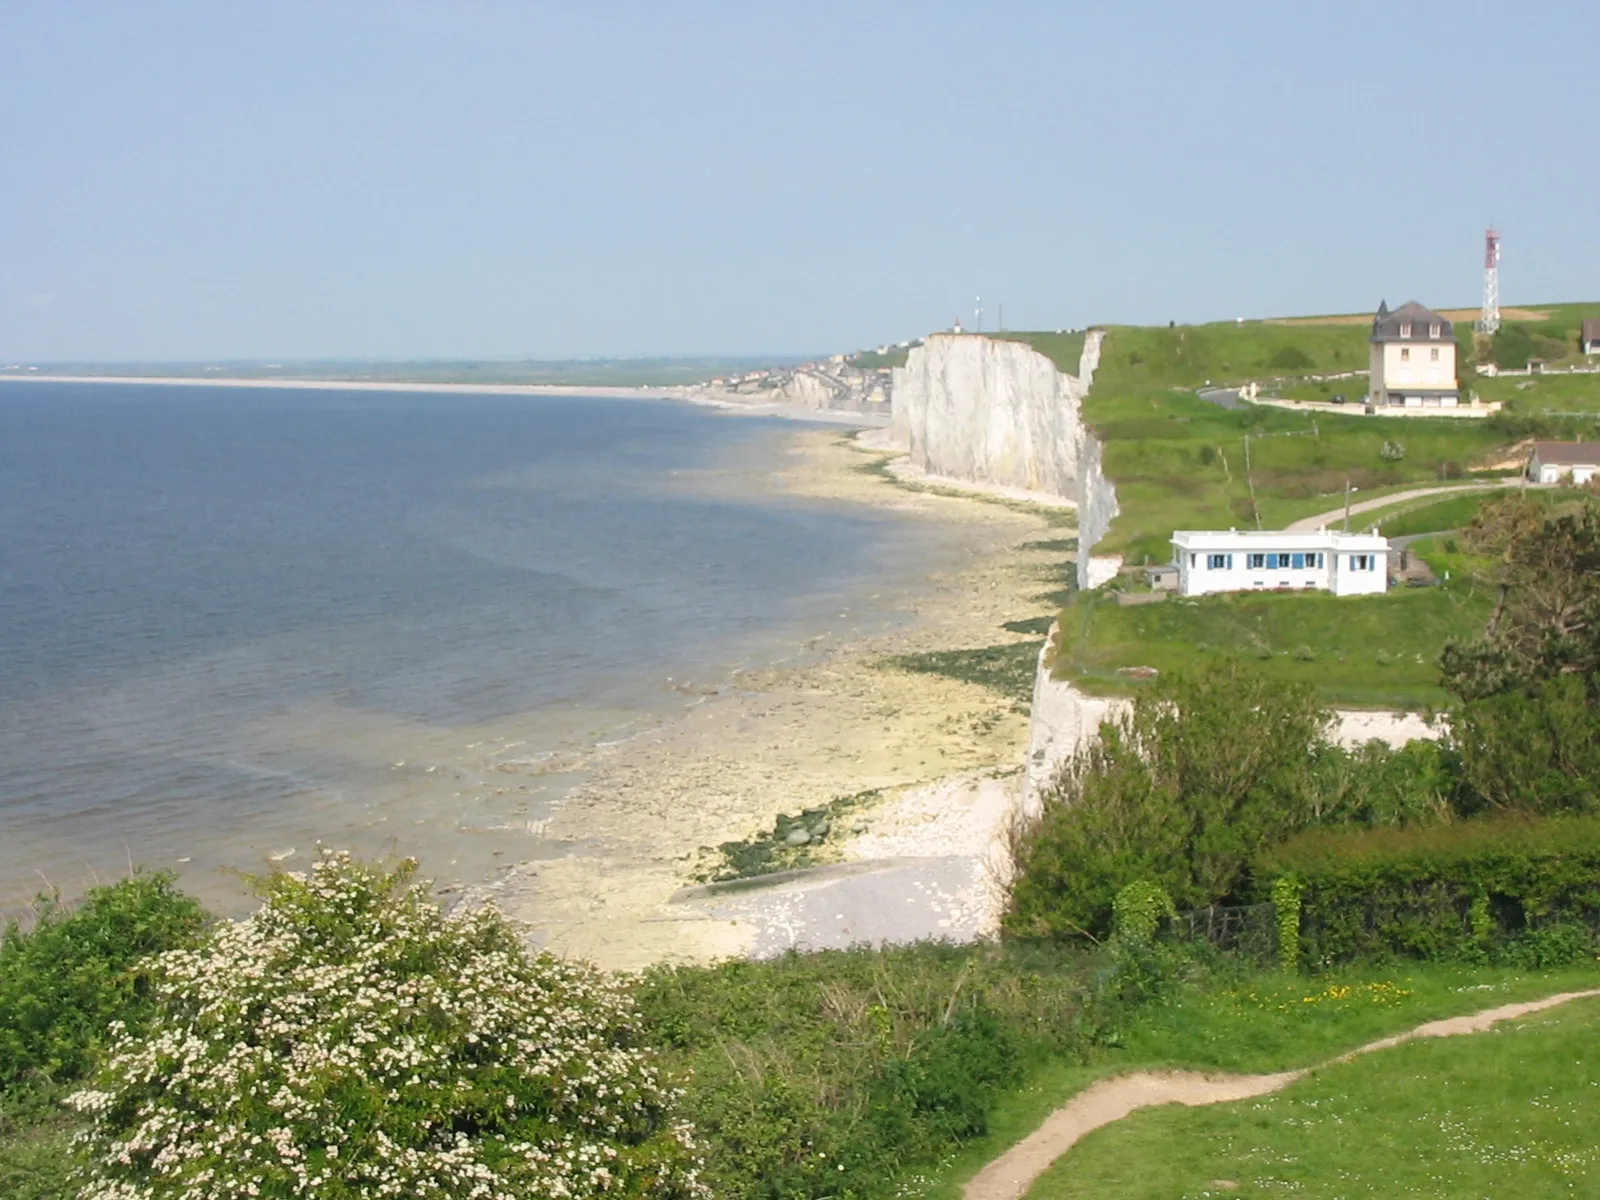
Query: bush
point(1466, 890)
point(349, 1040)
point(830, 1074)
point(65, 979)
point(1291, 358)
point(1203, 773)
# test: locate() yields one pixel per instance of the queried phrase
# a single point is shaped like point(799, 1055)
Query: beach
point(944, 752)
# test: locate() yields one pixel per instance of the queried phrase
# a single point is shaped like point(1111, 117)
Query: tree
point(1546, 621)
point(350, 1040)
point(1527, 732)
point(1182, 790)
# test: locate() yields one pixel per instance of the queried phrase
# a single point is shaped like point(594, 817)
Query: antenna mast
point(1490, 320)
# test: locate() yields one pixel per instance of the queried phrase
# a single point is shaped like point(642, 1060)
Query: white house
point(1553, 462)
point(1412, 358)
point(1346, 564)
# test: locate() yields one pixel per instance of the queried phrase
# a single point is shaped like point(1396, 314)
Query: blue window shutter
point(1299, 562)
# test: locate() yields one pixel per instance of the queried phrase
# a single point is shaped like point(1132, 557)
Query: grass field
point(1179, 462)
point(1362, 650)
point(1260, 1023)
point(1508, 1112)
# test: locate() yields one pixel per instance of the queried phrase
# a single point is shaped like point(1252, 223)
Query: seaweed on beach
point(1007, 668)
point(794, 841)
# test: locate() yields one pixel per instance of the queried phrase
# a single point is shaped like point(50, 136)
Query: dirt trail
point(1011, 1175)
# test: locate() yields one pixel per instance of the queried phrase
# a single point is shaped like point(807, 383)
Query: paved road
point(1312, 524)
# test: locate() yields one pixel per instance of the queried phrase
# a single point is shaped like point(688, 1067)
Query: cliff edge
point(993, 411)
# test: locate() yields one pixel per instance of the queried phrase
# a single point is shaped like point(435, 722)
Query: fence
point(1250, 931)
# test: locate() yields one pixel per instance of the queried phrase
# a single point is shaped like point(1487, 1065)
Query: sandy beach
point(945, 751)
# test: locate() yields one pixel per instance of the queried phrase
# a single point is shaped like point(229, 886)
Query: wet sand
point(839, 723)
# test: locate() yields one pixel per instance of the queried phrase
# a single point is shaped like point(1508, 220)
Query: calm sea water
point(234, 622)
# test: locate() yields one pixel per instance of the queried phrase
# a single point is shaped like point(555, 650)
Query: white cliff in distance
point(992, 411)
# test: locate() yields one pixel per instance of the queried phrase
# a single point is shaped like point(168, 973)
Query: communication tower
point(1490, 320)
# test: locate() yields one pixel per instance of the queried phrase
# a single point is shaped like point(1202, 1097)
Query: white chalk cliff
point(992, 411)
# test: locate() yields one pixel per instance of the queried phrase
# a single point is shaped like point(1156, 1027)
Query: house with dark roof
point(1412, 359)
point(1554, 462)
point(1589, 336)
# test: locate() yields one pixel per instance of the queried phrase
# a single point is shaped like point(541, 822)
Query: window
point(1405, 354)
point(1433, 355)
point(1405, 329)
point(1220, 562)
point(1257, 561)
point(1363, 562)
point(1433, 331)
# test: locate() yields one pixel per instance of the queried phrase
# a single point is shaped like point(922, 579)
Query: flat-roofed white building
point(1346, 564)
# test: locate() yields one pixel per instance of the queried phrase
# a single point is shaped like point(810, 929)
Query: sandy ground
point(1010, 1176)
point(790, 738)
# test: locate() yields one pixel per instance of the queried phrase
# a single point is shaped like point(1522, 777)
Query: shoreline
point(945, 753)
point(682, 393)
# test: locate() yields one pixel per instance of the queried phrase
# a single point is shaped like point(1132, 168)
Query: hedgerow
point(350, 1040)
point(1514, 888)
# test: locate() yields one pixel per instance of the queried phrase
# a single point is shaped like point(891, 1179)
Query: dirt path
point(1011, 1175)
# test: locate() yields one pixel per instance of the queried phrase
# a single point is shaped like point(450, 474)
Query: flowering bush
point(350, 1040)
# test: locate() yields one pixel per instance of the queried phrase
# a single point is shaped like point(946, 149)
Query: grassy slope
point(1363, 650)
point(1265, 1022)
point(1508, 1112)
point(1179, 462)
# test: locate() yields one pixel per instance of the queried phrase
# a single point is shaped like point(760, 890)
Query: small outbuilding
point(1589, 336)
point(1346, 564)
point(1564, 462)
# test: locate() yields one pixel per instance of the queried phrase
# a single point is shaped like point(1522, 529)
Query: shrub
point(350, 1040)
point(1201, 774)
point(1291, 358)
point(65, 979)
point(829, 1074)
point(1445, 891)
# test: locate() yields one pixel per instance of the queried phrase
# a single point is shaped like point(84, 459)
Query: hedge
point(1473, 889)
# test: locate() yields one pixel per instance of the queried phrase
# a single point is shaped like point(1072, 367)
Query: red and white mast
point(1490, 320)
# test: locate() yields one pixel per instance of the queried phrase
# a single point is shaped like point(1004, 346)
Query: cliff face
point(989, 411)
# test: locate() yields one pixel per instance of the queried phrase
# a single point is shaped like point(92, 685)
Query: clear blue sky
point(396, 178)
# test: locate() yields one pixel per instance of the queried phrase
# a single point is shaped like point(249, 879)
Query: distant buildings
point(1413, 358)
point(1589, 336)
point(1346, 564)
point(1555, 462)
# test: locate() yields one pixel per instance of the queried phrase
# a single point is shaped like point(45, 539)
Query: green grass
point(1508, 1112)
point(37, 1158)
point(1433, 515)
point(1540, 394)
point(1363, 650)
point(1256, 1022)
point(1063, 349)
point(894, 356)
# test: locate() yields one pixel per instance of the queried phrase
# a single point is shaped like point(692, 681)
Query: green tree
point(1183, 790)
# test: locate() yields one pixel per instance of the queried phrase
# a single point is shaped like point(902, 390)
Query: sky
point(478, 179)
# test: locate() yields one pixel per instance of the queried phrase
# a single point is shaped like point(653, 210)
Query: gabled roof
point(1568, 454)
point(1591, 330)
point(1386, 325)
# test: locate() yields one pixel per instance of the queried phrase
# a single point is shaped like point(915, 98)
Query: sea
point(237, 623)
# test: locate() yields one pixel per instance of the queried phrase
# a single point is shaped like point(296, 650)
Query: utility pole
point(1000, 321)
point(1347, 506)
point(977, 313)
